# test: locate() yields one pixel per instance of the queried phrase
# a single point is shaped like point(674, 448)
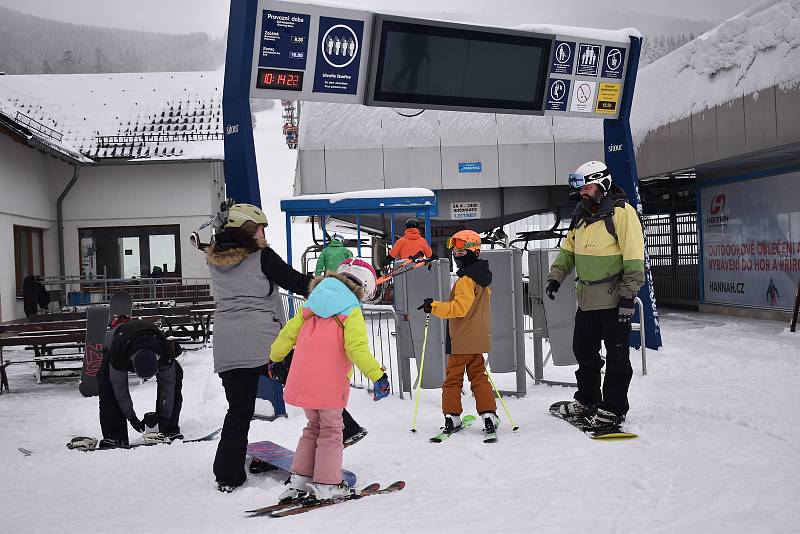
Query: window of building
point(28, 254)
point(131, 251)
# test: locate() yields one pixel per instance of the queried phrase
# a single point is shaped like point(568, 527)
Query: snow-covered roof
point(399, 192)
point(154, 116)
point(752, 51)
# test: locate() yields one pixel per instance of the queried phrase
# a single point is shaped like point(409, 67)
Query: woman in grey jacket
point(245, 274)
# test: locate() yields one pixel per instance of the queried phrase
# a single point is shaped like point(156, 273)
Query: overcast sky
point(211, 16)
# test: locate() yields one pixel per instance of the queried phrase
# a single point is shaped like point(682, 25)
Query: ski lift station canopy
point(415, 200)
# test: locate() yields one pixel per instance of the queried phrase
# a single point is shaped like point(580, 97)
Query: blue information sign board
point(284, 40)
point(613, 61)
point(338, 55)
point(470, 166)
point(588, 60)
point(563, 57)
point(557, 94)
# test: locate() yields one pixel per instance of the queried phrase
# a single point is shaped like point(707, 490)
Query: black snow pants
point(113, 423)
point(592, 327)
point(240, 390)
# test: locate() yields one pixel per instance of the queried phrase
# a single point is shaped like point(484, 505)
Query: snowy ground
point(719, 451)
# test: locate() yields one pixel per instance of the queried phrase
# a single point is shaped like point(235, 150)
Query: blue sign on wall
point(588, 60)
point(557, 94)
point(284, 40)
point(338, 55)
point(470, 166)
point(563, 57)
point(613, 61)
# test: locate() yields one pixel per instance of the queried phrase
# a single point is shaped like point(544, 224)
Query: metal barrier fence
point(540, 360)
point(380, 321)
point(75, 291)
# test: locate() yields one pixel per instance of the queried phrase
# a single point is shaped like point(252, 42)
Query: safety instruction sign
point(583, 97)
point(465, 210)
point(588, 60)
point(284, 40)
point(557, 94)
point(338, 55)
point(608, 98)
point(563, 57)
point(613, 61)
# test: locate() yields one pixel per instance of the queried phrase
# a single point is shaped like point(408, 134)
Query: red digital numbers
point(278, 79)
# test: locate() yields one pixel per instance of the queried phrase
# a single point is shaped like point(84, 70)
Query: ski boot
point(576, 409)
point(110, 443)
point(452, 423)
point(323, 492)
point(490, 424)
point(604, 420)
point(298, 488)
point(355, 438)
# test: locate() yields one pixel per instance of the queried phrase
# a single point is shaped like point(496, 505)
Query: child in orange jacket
point(469, 313)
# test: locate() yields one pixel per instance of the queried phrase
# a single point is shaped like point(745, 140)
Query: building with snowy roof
point(718, 127)
point(106, 174)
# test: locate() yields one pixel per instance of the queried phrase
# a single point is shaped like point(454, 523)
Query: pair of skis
point(466, 422)
point(306, 504)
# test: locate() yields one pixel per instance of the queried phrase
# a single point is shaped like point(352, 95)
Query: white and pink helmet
point(362, 273)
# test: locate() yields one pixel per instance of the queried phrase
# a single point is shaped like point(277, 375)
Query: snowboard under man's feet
point(601, 424)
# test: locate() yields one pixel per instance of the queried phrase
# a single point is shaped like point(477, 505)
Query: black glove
point(552, 288)
point(625, 310)
point(427, 306)
point(418, 255)
point(136, 424)
point(150, 419)
point(279, 371)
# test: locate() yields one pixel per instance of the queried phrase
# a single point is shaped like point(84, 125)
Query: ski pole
point(497, 392)
point(419, 378)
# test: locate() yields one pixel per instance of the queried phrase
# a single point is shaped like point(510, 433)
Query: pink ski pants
point(319, 451)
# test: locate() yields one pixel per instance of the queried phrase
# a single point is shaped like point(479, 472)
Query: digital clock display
point(286, 80)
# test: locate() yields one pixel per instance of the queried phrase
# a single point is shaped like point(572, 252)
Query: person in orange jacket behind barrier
point(411, 244)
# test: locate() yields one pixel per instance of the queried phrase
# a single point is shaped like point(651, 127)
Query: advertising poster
point(338, 55)
point(751, 242)
point(284, 40)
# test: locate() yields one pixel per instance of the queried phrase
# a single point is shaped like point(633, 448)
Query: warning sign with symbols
point(608, 98)
point(583, 97)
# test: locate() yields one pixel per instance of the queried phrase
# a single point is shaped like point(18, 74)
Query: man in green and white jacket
point(605, 246)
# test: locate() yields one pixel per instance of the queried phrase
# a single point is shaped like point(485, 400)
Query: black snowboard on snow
point(96, 326)
point(582, 424)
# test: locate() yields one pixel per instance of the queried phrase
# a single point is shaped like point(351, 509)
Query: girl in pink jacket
point(328, 335)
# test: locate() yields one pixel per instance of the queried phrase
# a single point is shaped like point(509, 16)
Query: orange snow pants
point(479, 382)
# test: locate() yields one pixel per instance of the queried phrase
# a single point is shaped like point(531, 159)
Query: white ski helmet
point(591, 172)
point(361, 273)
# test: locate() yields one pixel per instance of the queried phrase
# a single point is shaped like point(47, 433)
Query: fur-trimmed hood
point(231, 249)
